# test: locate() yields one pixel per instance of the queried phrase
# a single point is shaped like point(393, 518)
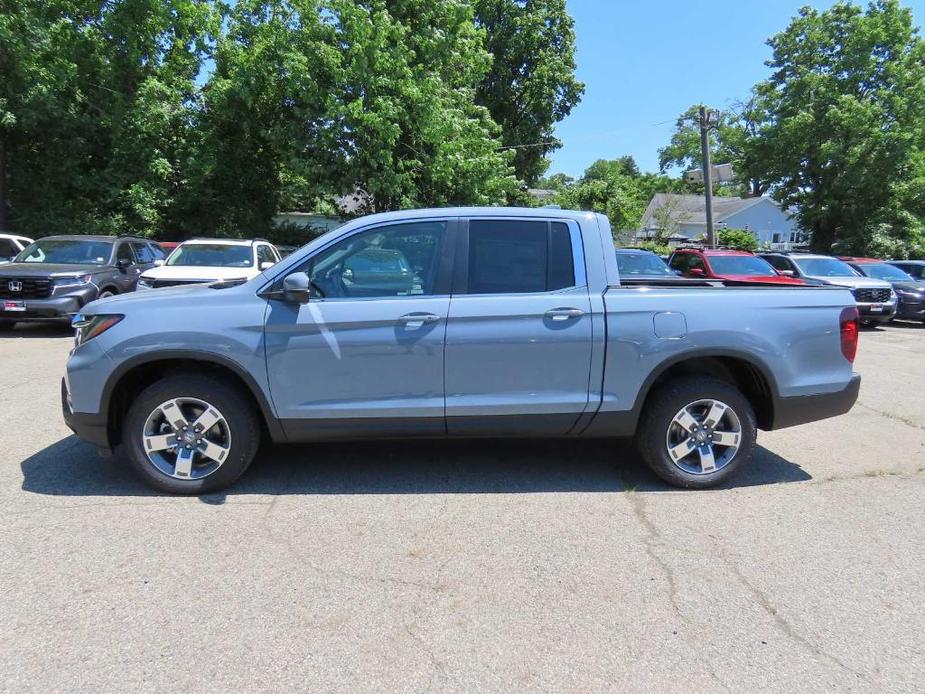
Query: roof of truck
point(544, 212)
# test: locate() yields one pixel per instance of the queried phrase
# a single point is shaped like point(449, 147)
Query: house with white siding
point(685, 216)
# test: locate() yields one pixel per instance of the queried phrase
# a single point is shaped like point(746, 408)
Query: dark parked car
point(911, 291)
point(54, 277)
point(641, 264)
point(913, 268)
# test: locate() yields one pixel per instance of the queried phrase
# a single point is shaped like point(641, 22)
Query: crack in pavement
point(781, 622)
point(653, 538)
point(890, 415)
point(650, 539)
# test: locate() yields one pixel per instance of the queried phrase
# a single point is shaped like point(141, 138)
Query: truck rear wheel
point(697, 432)
point(190, 434)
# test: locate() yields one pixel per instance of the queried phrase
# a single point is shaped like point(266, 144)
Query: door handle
point(413, 321)
point(558, 314)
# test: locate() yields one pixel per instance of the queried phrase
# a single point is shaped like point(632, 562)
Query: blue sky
point(642, 67)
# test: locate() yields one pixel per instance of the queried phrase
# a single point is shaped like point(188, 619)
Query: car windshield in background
point(212, 255)
point(882, 271)
point(824, 267)
point(741, 265)
point(66, 252)
point(641, 264)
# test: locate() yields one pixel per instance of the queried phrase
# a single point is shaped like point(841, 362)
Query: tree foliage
point(531, 84)
point(846, 112)
point(616, 188)
point(180, 117)
point(731, 142)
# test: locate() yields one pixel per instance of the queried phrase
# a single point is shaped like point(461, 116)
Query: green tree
point(732, 141)
point(845, 105)
point(313, 99)
point(96, 110)
point(606, 188)
point(531, 84)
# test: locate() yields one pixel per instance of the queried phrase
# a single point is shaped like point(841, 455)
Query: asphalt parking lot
point(510, 566)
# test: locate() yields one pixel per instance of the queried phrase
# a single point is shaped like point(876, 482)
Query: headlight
point(911, 294)
point(88, 327)
point(71, 281)
point(144, 284)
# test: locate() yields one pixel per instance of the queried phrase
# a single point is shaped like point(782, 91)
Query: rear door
point(518, 342)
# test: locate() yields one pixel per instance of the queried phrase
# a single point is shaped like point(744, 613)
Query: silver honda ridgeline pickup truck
point(483, 322)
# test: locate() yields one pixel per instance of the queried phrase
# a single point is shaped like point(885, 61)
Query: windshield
point(66, 252)
point(211, 255)
point(741, 265)
point(630, 264)
point(882, 271)
point(824, 267)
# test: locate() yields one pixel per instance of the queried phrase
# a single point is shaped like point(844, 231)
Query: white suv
point(211, 260)
point(10, 246)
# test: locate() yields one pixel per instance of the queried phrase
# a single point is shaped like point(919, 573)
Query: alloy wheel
point(186, 438)
point(703, 437)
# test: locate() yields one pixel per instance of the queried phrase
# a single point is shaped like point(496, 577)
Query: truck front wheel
point(190, 433)
point(696, 432)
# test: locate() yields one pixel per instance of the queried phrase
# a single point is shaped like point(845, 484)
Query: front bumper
point(911, 309)
point(789, 412)
point(91, 428)
point(877, 313)
point(52, 308)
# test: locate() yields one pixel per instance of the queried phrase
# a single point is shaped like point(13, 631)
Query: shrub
point(738, 238)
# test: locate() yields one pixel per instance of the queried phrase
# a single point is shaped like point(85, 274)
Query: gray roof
point(691, 209)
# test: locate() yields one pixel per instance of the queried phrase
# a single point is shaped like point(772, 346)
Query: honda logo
point(15, 286)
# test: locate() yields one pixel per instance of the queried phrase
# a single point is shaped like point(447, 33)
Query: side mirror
point(696, 272)
point(123, 264)
point(266, 265)
point(296, 288)
point(787, 273)
point(158, 262)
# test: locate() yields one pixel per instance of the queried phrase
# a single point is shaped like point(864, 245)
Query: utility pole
point(705, 125)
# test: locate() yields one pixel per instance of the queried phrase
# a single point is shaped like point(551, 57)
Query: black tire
point(106, 293)
point(237, 409)
point(661, 407)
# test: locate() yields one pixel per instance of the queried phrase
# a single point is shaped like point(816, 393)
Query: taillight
point(848, 326)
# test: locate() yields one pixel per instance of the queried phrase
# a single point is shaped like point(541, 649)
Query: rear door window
point(519, 256)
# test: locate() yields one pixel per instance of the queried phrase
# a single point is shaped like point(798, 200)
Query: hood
point(199, 273)
point(914, 286)
point(764, 279)
point(854, 282)
point(46, 269)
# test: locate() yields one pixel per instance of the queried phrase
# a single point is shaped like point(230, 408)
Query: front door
point(365, 354)
point(518, 347)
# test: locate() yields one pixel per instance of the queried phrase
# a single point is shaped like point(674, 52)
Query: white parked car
point(10, 246)
point(211, 260)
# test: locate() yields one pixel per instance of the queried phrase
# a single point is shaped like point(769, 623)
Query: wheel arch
point(744, 371)
point(134, 375)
